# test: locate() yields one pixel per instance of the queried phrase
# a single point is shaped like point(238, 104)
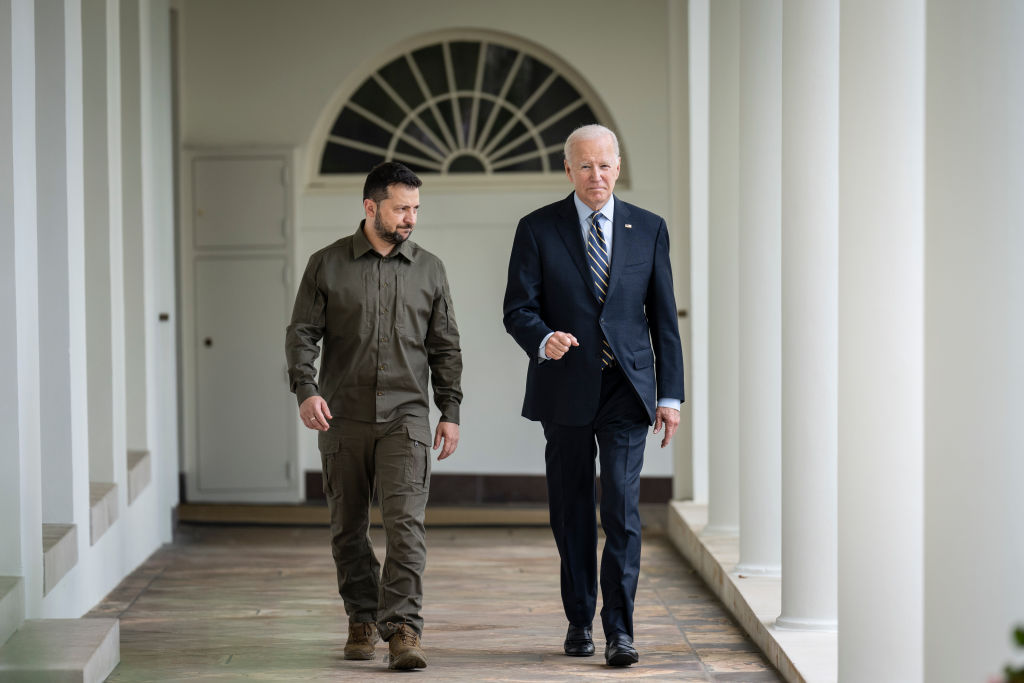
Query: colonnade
point(865, 313)
point(857, 294)
point(85, 206)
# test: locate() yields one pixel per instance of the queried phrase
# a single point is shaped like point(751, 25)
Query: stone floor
point(225, 603)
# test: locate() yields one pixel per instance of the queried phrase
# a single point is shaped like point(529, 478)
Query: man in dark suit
point(589, 299)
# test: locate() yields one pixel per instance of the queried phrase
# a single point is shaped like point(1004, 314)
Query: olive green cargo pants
point(393, 459)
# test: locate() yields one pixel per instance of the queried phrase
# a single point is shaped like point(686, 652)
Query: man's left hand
point(667, 418)
point(448, 432)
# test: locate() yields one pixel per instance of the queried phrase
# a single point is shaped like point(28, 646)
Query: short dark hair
point(386, 174)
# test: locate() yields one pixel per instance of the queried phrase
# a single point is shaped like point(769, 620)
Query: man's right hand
point(315, 413)
point(558, 344)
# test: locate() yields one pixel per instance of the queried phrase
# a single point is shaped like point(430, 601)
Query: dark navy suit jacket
point(550, 288)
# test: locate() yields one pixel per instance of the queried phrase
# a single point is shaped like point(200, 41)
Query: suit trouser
point(393, 459)
point(618, 434)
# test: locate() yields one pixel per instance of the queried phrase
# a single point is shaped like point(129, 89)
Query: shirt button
point(383, 339)
point(380, 393)
point(382, 367)
point(385, 284)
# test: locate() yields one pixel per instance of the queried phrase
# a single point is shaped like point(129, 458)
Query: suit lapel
point(622, 243)
point(569, 230)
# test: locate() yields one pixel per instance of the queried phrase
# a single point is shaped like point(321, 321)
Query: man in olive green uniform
point(380, 304)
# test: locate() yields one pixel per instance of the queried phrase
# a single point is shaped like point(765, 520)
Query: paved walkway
point(226, 603)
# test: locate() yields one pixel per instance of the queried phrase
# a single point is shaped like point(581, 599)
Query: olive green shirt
point(387, 325)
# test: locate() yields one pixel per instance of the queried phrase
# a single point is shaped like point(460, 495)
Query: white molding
point(512, 182)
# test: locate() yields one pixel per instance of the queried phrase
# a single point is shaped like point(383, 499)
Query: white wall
point(260, 73)
point(27, 491)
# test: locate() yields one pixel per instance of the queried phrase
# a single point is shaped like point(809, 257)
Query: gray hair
point(590, 132)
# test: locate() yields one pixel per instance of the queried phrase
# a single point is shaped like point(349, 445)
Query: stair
point(102, 509)
point(139, 473)
point(12, 606)
point(61, 651)
point(60, 553)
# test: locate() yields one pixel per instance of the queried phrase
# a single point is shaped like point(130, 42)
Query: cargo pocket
point(328, 460)
point(418, 464)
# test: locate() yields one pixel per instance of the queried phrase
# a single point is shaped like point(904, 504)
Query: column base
point(755, 602)
point(805, 624)
point(768, 570)
point(720, 531)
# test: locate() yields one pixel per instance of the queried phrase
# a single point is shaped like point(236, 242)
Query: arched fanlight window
point(475, 104)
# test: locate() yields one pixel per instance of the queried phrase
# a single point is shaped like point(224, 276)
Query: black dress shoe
point(620, 651)
point(579, 642)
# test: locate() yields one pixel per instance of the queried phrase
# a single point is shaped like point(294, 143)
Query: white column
point(759, 287)
point(59, 447)
point(698, 29)
point(723, 294)
point(134, 239)
point(881, 364)
point(810, 206)
point(678, 141)
point(159, 238)
point(104, 250)
point(882, 239)
point(20, 482)
point(75, 143)
point(974, 338)
point(881, 304)
point(10, 462)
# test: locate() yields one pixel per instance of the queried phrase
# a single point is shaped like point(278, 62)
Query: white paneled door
point(243, 410)
point(236, 248)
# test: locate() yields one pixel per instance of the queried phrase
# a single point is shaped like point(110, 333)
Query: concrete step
point(139, 473)
point(60, 553)
point(12, 606)
point(102, 509)
point(61, 651)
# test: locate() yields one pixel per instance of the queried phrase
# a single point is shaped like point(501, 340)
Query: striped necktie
point(600, 265)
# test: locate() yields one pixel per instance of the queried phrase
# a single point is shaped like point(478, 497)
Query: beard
point(392, 237)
